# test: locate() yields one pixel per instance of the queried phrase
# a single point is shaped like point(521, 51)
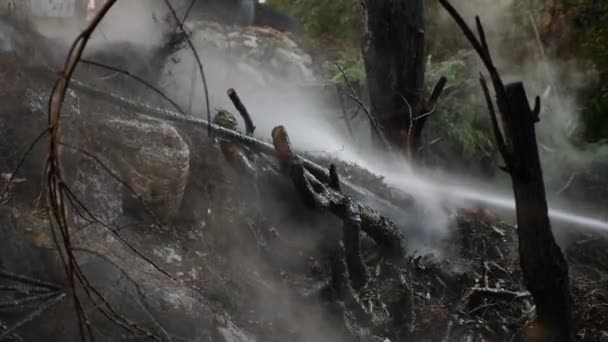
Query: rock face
point(262, 55)
point(150, 155)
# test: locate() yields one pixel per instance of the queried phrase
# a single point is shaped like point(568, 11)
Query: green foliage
point(584, 24)
point(328, 19)
point(452, 69)
point(353, 67)
point(459, 119)
point(592, 34)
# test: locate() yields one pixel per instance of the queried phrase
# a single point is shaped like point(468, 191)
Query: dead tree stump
point(545, 270)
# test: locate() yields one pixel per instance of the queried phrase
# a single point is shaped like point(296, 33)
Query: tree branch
point(383, 231)
point(236, 101)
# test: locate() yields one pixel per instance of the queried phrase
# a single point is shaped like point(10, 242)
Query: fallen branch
point(55, 201)
point(27, 152)
point(33, 314)
point(342, 287)
point(344, 113)
point(197, 58)
point(372, 119)
point(136, 78)
point(500, 292)
point(317, 193)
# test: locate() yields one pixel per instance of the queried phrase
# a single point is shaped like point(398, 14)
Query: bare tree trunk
point(545, 270)
point(393, 49)
point(544, 267)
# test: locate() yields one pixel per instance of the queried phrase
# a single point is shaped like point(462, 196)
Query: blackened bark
point(334, 179)
point(238, 104)
point(318, 194)
point(544, 267)
point(352, 245)
point(393, 50)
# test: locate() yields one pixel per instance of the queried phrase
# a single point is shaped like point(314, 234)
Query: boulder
point(149, 155)
point(262, 54)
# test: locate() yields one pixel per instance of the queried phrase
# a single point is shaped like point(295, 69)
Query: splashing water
point(457, 194)
point(508, 203)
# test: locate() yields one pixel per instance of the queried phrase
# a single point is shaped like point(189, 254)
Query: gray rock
point(149, 155)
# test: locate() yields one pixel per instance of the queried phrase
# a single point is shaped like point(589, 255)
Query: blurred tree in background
point(339, 19)
point(578, 30)
point(569, 30)
point(591, 31)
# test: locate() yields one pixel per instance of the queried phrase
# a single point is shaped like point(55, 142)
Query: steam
point(313, 121)
point(513, 37)
point(272, 101)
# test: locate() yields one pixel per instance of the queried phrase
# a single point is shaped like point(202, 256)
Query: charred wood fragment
point(318, 194)
point(233, 152)
point(342, 286)
point(352, 243)
point(238, 104)
point(334, 179)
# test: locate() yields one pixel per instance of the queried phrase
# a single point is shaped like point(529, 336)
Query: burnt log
point(341, 285)
point(544, 267)
point(320, 195)
point(238, 104)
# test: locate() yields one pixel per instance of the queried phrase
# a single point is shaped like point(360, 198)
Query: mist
point(313, 119)
point(520, 56)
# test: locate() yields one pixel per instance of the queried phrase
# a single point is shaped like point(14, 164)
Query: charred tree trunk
point(393, 52)
point(393, 49)
point(544, 267)
point(545, 270)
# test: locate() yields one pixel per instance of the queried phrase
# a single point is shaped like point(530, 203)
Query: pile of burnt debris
point(473, 291)
point(366, 282)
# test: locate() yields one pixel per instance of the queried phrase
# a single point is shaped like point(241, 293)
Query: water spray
point(400, 183)
point(412, 184)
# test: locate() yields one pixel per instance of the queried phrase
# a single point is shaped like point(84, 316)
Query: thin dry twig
point(55, 200)
point(498, 137)
point(21, 161)
point(116, 232)
point(192, 2)
point(124, 183)
point(138, 289)
point(57, 191)
point(353, 96)
point(39, 311)
point(136, 78)
point(344, 113)
point(199, 62)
